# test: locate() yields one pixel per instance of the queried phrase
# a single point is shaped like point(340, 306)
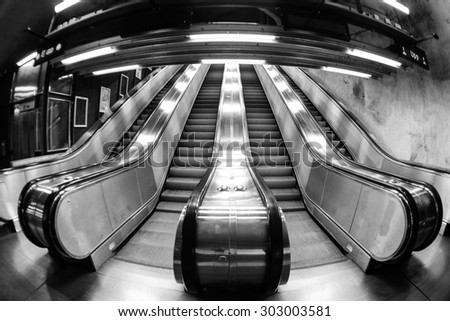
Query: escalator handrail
point(422, 184)
point(278, 241)
point(405, 197)
point(188, 233)
point(93, 178)
point(364, 131)
point(187, 236)
point(95, 128)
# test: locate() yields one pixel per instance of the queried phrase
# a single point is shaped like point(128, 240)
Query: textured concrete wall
point(409, 112)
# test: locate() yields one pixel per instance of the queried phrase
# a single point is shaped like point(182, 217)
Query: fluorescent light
point(398, 6)
point(65, 4)
point(347, 72)
point(88, 55)
point(236, 37)
point(25, 88)
point(374, 57)
point(26, 59)
point(117, 69)
point(233, 61)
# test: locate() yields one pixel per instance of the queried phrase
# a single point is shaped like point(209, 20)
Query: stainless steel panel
point(88, 153)
point(362, 145)
point(379, 224)
point(340, 198)
point(121, 196)
point(100, 202)
point(346, 174)
point(82, 221)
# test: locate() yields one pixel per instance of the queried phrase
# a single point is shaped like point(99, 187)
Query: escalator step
point(200, 128)
point(262, 151)
point(259, 121)
point(272, 160)
point(262, 134)
point(291, 206)
point(185, 183)
point(191, 143)
point(265, 142)
point(286, 194)
point(198, 135)
point(263, 127)
point(184, 161)
point(175, 195)
point(194, 151)
point(201, 121)
point(203, 116)
point(175, 207)
point(196, 172)
point(266, 171)
point(280, 181)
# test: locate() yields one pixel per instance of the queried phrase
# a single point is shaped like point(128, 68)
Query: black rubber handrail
point(54, 196)
point(406, 197)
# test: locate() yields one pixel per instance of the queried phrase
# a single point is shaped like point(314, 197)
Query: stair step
point(197, 172)
point(175, 195)
point(185, 161)
point(291, 206)
point(274, 170)
point(286, 194)
point(173, 207)
point(184, 183)
point(280, 181)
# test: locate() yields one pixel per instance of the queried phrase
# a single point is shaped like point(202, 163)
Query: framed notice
point(138, 73)
point(81, 111)
point(123, 85)
point(105, 99)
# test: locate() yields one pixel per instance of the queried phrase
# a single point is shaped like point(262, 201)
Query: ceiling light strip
point(233, 61)
point(229, 37)
point(117, 69)
point(347, 72)
point(398, 6)
point(26, 59)
point(89, 55)
point(65, 4)
point(374, 57)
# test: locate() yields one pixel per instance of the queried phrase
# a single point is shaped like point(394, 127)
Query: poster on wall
point(138, 74)
point(105, 99)
point(81, 111)
point(123, 86)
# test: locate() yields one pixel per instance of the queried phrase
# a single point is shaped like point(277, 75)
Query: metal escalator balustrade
point(377, 218)
point(362, 144)
point(89, 149)
point(57, 212)
point(337, 142)
point(122, 143)
point(309, 245)
point(232, 235)
point(153, 243)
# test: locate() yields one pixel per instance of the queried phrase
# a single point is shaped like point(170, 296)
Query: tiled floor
point(29, 273)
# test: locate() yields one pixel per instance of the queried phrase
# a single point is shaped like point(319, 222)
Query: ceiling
point(15, 17)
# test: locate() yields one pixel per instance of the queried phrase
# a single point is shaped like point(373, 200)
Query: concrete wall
point(408, 112)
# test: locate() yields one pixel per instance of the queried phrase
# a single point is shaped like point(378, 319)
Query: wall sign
point(105, 99)
point(413, 54)
point(81, 111)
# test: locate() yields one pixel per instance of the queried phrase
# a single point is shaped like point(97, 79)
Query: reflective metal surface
point(383, 216)
point(364, 149)
point(59, 212)
point(225, 237)
point(89, 149)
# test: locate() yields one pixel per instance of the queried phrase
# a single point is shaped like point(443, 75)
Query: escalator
point(337, 142)
point(310, 246)
point(131, 132)
point(153, 243)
